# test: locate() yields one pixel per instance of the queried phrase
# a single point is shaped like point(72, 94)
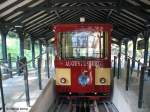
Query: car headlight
point(102, 80)
point(83, 80)
point(63, 80)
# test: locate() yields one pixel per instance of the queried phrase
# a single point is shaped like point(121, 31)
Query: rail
point(60, 106)
point(82, 105)
point(104, 107)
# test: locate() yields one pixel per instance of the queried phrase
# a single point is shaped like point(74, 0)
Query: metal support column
point(26, 83)
point(128, 74)
point(21, 37)
point(23, 63)
point(21, 47)
point(33, 53)
point(141, 85)
point(138, 69)
point(2, 93)
point(149, 69)
point(40, 49)
point(4, 45)
point(9, 65)
point(119, 61)
point(114, 66)
point(39, 73)
point(17, 66)
point(47, 59)
point(126, 50)
point(146, 42)
point(134, 54)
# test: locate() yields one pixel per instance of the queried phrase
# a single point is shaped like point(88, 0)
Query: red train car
point(83, 60)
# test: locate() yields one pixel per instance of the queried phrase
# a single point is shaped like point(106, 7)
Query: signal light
point(63, 80)
point(102, 80)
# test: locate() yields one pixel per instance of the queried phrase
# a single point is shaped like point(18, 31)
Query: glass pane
point(83, 44)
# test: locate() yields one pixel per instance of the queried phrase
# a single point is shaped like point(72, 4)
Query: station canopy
point(128, 17)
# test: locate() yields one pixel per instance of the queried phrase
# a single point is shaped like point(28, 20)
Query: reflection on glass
point(83, 44)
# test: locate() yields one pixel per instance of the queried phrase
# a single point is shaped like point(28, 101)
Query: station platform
point(14, 91)
point(127, 101)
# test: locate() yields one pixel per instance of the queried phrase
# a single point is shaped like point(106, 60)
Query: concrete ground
point(14, 91)
point(127, 101)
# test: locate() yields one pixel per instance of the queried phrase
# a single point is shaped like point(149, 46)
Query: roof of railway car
point(129, 17)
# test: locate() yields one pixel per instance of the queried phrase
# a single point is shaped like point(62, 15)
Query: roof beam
point(28, 12)
point(41, 21)
point(23, 8)
point(33, 17)
point(84, 7)
point(134, 25)
point(143, 5)
point(120, 23)
point(10, 5)
point(132, 19)
point(49, 21)
point(41, 31)
point(43, 24)
point(85, 1)
point(31, 11)
point(2, 1)
point(120, 5)
point(50, 4)
point(47, 34)
point(109, 14)
point(136, 10)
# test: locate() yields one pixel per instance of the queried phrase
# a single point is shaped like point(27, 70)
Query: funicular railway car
point(83, 60)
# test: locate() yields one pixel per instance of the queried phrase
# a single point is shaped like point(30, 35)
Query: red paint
point(75, 86)
point(79, 66)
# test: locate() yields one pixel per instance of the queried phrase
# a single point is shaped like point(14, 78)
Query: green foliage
point(12, 45)
point(36, 49)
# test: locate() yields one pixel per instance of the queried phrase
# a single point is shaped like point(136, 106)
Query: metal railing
point(21, 66)
point(129, 70)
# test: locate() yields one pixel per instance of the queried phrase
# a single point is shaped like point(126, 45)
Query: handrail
point(147, 67)
point(134, 59)
point(144, 67)
point(23, 65)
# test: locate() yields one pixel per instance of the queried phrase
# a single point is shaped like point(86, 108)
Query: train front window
point(83, 44)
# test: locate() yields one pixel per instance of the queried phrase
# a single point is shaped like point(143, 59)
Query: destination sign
point(83, 63)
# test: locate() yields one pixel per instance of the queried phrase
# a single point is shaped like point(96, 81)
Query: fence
point(140, 74)
point(21, 71)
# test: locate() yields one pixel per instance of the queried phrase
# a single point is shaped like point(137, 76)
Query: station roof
point(129, 17)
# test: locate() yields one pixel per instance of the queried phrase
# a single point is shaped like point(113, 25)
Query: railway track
point(82, 106)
